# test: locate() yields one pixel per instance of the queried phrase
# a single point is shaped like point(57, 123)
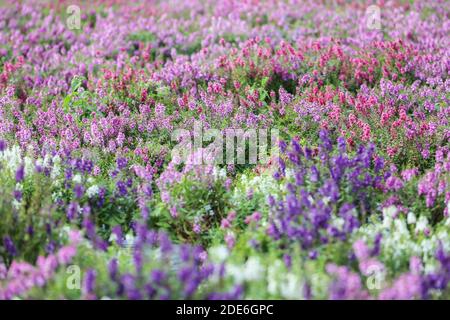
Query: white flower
point(273, 274)
point(236, 272)
point(56, 170)
point(399, 242)
point(411, 218)
point(219, 253)
point(338, 223)
point(448, 214)
point(443, 237)
point(56, 159)
point(422, 224)
point(326, 200)
point(427, 246)
point(76, 178)
point(388, 214)
point(400, 226)
point(65, 230)
point(292, 287)
point(112, 237)
point(11, 157)
point(92, 191)
point(56, 195)
point(129, 241)
point(40, 162)
point(28, 165)
point(46, 161)
point(253, 269)
point(429, 268)
point(219, 173)
point(16, 204)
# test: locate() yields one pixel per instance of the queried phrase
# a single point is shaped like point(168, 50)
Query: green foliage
point(198, 204)
point(29, 223)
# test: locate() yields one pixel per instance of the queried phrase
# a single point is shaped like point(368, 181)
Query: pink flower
point(173, 212)
point(415, 265)
point(361, 250)
point(231, 216)
point(254, 217)
point(394, 183)
point(75, 237)
point(230, 240)
point(196, 228)
point(3, 271)
point(408, 174)
point(65, 254)
point(368, 267)
point(225, 224)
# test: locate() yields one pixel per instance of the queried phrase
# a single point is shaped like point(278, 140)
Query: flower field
point(229, 149)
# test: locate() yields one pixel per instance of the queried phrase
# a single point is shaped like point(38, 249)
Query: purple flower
point(138, 259)
point(315, 176)
point(89, 282)
point(121, 163)
point(117, 231)
point(282, 144)
point(326, 142)
point(87, 166)
point(68, 174)
point(313, 254)
point(78, 190)
point(50, 247)
point(394, 183)
point(72, 211)
point(148, 191)
point(78, 164)
point(89, 226)
point(342, 145)
point(38, 168)
point(377, 245)
point(20, 173)
point(379, 164)
point(121, 188)
point(165, 243)
point(408, 174)
point(17, 195)
point(3, 145)
point(287, 260)
point(151, 291)
point(158, 276)
point(9, 246)
point(271, 200)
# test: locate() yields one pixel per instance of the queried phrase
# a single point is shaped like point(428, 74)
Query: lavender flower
point(20, 173)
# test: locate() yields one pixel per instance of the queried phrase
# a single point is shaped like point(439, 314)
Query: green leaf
point(77, 81)
point(66, 102)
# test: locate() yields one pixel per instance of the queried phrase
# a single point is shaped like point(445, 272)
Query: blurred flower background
point(354, 204)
